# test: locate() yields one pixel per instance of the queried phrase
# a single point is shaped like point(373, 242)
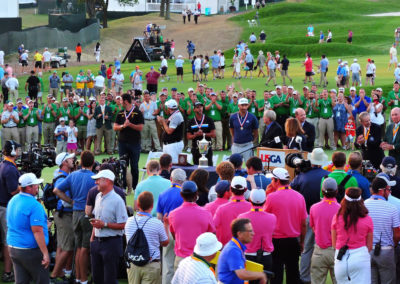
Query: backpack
point(137, 250)
point(50, 200)
point(341, 188)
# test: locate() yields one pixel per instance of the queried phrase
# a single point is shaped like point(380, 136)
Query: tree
point(162, 8)
point(167, 9)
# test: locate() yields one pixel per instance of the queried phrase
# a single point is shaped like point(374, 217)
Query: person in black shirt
point(129, 122)
point(32, 86)
point(285, 69)
point(199, 125)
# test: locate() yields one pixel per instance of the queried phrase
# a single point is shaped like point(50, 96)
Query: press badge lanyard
point(200, 259)
point(241, 249)
point(284, 188)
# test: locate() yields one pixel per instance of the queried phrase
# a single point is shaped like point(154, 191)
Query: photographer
point(369, 139)
point(352, 238)
point(9, 175)
point(385, 218)
point(309, 185)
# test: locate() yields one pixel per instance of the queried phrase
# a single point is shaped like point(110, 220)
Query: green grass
point(30, 19)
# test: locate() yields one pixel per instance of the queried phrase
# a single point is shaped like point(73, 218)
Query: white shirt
point(164, 63)
point(119, 79)
point(397, 73)
point(99, 81)
point(46, 56)
point(253, 38)
point(329, 35)
point(71, 134)
point(355, 68)
point(1, 55)
point(191, 271)
point(24, 56)
point(197, 63)
point(12, 83)
point(393, 51)
point(222, 60)
point(371, 69)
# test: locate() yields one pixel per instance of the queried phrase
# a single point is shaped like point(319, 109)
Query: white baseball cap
point(352, 88)
point(190, 90)
point(29, 179)
point(81, 100)
point(239, 183)
point(257, 195)
point(207, 244)
point(355, 60)
point(61, 119)
point(63, 156)
point(243, 101)
point(171, 104)
point(104, 174)
point(278, 87)
point(378, 89)
point(290, 87)
point(279, 173)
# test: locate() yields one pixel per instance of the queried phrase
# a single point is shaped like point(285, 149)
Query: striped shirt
point(153, 230)
point(385, 217)
point(192, 271)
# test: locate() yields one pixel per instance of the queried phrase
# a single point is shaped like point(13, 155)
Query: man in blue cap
point(237, 161)
point(389, 167)
point(222, 188)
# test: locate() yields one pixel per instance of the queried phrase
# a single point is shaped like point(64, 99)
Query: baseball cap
point(10, 103)
point(29, 179)
point(389, 162)
point(279, 173)
point(243, 101)
point(213, 94)
point(190, 90)
point(61, 119)
point(19, 101)
point(104, 174)
point(207, 244)
point(378, 89)
point(239, 183)
point(174, 89)
point(386, 178)
point(329, 185)
point(257, 195)
point(341, 89)
point(290, 87)
point(92, 99)
point(171, 104)
point(306, 87)
point(189, 187)
point(235, 95)
point(65, 100)
point(278, 87)
point(162, 94)
point(355, 60)
point(63, 156)
point(222, 186)
point(333, 91)
point(352, 88)
point(81, 100)
point(236, 159)
point(198, 104)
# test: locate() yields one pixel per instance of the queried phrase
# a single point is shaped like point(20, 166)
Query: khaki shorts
point(82, 229)
point(3, 225)
point(82, 131)
point(65, 231)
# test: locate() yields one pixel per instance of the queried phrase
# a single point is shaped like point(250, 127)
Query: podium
point(276, 158)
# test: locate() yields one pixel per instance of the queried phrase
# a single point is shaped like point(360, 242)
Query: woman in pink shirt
point(308, 64)
point(352, 233)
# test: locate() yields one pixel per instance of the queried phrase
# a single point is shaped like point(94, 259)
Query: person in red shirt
point(109, 74)
point(228, 212)
point(308, 64)
point(289, 207)
point(152, 80)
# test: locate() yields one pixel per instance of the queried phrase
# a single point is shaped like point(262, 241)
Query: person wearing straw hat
point(197, 268)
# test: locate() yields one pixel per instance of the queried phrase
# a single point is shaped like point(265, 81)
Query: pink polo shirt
point(213, 206)
point(321, 215)
point(354, 237)
point(289, 208)
point(187, 222)
point(263, 225)
point(226, 213)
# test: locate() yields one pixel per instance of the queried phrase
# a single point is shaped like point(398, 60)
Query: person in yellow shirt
point(90, 84)
point(80, 83)
point(38, 61)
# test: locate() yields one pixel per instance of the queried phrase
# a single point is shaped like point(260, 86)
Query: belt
point(9, 127)
point(167, 143)
point(255, 254)
point(19, 247)
point(103, 239)
point(384, 247)
point(325, 118)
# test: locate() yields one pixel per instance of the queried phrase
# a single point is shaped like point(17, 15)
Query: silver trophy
point(203, 145)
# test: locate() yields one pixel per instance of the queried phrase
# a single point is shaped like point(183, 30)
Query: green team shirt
point(293, 104)
point(311, 112)
point(47, 113)
point(21, 123)
point(81, 120)
point(325, 108)
point(163, 110)
point(191, 107)
point(41, 84)
point(253, 109)
point(392, 96)
point(277, 100)
point(115, 109)
point(63, 112)
point(32, 118)
point(233, 108)
point(339, 175)
point(214, 112)
point(201, 98)
point(111, 103)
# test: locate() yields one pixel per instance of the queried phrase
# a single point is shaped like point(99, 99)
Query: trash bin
point(207, 11)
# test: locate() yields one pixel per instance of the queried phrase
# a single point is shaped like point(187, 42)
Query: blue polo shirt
point(362, 106)
point(245, 135)
point(25, 211)
point(231, 258)
point(56, 184)
point(169, 199)
point(78, 183)
point(9, 176)
point(323, 64)
point(215, 61)
point(261, 181)
point(363, 183)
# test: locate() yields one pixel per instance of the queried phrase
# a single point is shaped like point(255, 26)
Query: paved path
point(385, 14)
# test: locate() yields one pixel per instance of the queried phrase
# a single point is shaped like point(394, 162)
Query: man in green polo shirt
point(226, 134)
point(65, 110)
point(31, 116)
point(339, 161)
point(394, 97)
point(325, 106)
point(116, 108)
point(233, 107)
point(21, 124)
point(279, 105)
point(263, 105)
point(80, 115)
point(49, 115)
point(213, 110)
point(200, 93)
point(312, 112)
point(294, 100)
point(189, 108)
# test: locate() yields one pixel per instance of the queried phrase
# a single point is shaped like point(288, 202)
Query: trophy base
point(203, 162)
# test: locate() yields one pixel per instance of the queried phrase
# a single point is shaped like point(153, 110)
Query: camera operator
point(385, 218)
point(309, 185)
point(9, 175)
point(355, 162)
point(129, 122)
point(369, 139)
point(389, 167)
point(273, 132)
point(63, 220)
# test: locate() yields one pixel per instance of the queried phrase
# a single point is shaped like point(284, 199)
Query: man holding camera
point(368, 139)
point(386, 230)
point(9, 175)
